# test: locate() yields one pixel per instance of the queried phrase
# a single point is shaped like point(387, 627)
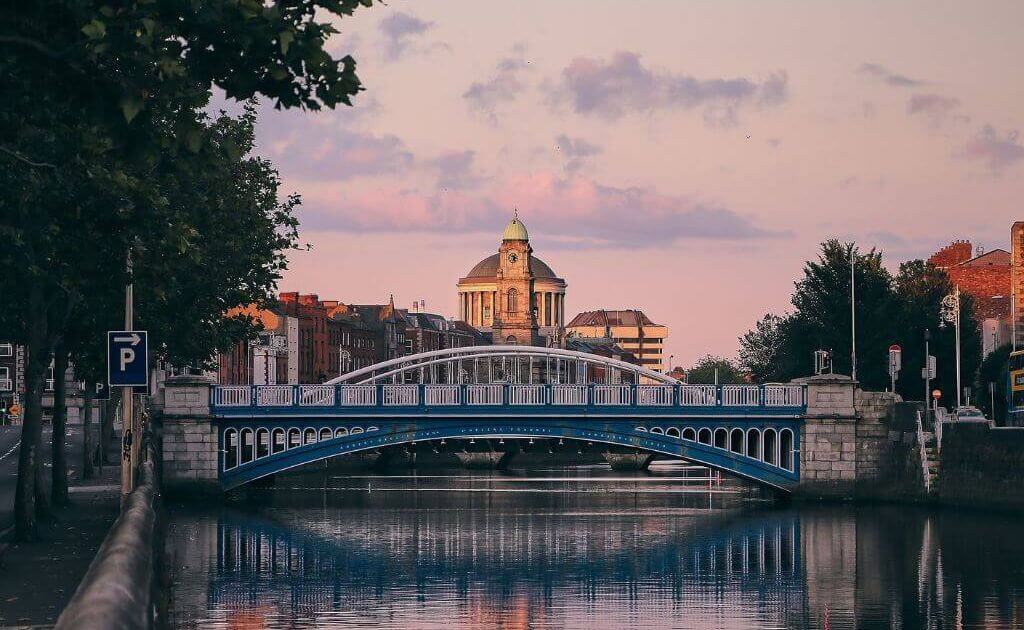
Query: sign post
point(895, 364)
point(127, 367)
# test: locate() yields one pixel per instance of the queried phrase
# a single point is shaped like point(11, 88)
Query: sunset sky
point(679, 157)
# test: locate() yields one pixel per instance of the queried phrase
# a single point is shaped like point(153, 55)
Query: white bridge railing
point(750, 397)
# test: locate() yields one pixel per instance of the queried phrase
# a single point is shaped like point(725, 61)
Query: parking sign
point(127, 358)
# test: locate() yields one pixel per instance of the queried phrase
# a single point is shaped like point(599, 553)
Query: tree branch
point(22, 158)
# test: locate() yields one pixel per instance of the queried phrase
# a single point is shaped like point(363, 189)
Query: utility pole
point(927, 373)
point(956, 322)
point(127, 420)
point(853, 316)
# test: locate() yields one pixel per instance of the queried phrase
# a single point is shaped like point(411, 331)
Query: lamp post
point(853, 316)
point(951, 314)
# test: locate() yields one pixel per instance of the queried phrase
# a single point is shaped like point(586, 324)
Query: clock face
point(512, 258)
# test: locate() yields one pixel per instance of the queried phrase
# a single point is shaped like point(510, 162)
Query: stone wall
point(982, 466)
point(189, 436)
point(853, 443)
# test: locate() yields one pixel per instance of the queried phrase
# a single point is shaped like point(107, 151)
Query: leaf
point(95, 30)
point(286, 38)
point(130, 107)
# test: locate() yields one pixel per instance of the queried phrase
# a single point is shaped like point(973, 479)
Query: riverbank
point(37, 579)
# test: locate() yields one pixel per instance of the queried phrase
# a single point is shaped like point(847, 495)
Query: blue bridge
point(510, 392)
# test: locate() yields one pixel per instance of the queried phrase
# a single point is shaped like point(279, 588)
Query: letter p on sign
point(127, 358)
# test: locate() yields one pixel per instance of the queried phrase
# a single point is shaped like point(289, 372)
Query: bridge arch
point(236, 470)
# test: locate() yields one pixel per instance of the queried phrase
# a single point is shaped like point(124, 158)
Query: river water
point(583, 547)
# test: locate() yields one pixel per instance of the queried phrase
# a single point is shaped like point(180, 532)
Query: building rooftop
point(488, 268)
point(631, 317)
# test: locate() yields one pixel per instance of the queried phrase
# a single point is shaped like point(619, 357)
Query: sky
point(680, 157)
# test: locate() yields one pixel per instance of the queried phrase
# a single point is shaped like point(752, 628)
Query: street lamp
point(670, 357)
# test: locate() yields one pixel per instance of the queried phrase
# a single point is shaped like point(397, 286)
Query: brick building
point(985, 276)
point(270, 359)
point(318, 358)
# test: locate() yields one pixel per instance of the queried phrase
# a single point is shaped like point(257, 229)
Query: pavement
point(10, 437)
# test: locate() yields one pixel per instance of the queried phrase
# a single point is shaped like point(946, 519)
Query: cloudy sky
point(681, 157)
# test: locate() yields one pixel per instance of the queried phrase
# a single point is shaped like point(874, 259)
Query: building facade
point(630, 330)
point(513, 295)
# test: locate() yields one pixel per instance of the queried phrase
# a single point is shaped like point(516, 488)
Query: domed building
point(513, 294)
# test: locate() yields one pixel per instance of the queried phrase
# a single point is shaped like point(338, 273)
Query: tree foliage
point(888, 310)
point(707, 369)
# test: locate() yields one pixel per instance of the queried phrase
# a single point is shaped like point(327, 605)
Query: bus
point(1015, 389)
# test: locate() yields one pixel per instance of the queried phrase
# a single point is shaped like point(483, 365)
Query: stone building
point(513, 295)
point(631, 330)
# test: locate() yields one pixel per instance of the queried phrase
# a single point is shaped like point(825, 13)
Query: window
point(6, 350)
point(511, 305)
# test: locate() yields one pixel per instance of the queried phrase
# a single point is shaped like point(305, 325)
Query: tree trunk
point(59, 472)
point(27, 493)
point(86, 421)
point(108, 424)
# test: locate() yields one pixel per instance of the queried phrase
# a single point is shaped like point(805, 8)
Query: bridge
point(509, 392)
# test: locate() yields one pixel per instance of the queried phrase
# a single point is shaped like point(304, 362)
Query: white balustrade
point(441, 394)
point(741, 395)
point(232, 396)
point(783, 395)
point(275, 395)
point(316, 395)
point(654, 395)
point(568, 394)
point(611, 394)
point(698, 395)
point(357, 395)
point(484, 394)
point(401, 395)
point(526, 394)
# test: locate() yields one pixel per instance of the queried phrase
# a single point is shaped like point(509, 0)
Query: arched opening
point(672, 432)
point(230, 449)
point(721, 438)
point(326, 434)
point(246, 447)
point(689, 434)
point(511, 340)
point(277, 441)
point(309, 436)
point(736, 441)
point(754, 443)
point(786, 449)
point(704, 436)
point(512, 301)
point(342, 432)
point(356, 430)
point(657, 430)
point(770, 447)
point(294, 438)
point(262, 443)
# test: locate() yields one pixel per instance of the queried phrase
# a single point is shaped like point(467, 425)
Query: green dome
point(515, 230)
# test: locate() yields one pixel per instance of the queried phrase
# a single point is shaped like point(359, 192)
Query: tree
point(708, 368)
point(101, 101)
point(994, 372)
point(765, 352)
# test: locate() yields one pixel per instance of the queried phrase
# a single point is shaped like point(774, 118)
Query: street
point(9, 439)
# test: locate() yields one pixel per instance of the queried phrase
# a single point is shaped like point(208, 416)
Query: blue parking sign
point(127, 358)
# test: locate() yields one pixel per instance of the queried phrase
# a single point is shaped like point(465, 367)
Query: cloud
point(323, 146)
point(938, 109)
point(575, 151)
point(994, 151)
point(399, 30)
point(622, 85)
point(571, 211)
point(888, 77)
point(504, 86)
point(455, 170)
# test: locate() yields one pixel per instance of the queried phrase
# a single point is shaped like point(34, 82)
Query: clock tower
point(515, 314)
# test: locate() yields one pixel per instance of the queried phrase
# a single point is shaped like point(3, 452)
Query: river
point(582, 547)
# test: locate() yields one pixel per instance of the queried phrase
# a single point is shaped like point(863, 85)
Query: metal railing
point(330, 396)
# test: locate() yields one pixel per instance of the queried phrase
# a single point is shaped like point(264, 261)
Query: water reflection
point(486, 551)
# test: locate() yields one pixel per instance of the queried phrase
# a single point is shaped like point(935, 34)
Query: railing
point(526, 395)
point(783, 395)
point(441, 394)
point(654, 395)
point(779, 397)
point(569, 395)
point(698, 395)
point(740, 396)
point(484, 394)
point(401, 395)
point(611, 394)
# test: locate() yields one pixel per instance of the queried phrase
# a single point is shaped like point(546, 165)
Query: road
point(9, 439)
